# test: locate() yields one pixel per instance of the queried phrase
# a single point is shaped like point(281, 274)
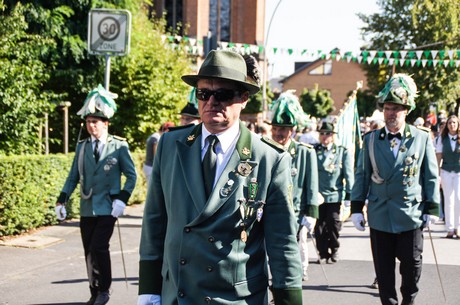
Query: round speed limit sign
point(108, 31)
point(108, 28)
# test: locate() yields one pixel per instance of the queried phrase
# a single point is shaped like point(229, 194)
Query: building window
point(220, 29)
point(324, 69)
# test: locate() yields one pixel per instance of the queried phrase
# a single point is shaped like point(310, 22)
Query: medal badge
point(252, 189)
point(227, 188)
point(244, 236)
point(403, 148)
point(260, 211)
point(294, 171)
point(244, 169)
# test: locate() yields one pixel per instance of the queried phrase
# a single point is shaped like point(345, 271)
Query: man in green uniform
point(398, 174)
point(287, 114)
point(336, 177)
point(219, 202)
point(99, 163)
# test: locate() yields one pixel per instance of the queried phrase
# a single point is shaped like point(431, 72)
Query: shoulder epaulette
point(179, 127)
point(274, 144)
point(305, 144)
point(424, 128)
point(119, 138)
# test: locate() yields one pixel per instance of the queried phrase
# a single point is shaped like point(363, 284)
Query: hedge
point(30, 185)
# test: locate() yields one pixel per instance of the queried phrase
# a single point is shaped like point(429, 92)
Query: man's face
point(394, 115)
point(282, 134)
point(186, 119)
point(96, 126)
point(326, 137)
point(219, 113)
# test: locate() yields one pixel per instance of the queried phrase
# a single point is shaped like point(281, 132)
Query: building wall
point(248, 21)
point(196, 16)
point(340, 82)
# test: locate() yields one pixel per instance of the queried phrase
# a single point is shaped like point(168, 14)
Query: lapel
point(406, 143)
point(383, 153)
point(90, 162)
point(189, 154)
point(217, 197)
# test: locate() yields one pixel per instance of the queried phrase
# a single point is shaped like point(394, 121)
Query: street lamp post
point(65, 109)
point(264, 83)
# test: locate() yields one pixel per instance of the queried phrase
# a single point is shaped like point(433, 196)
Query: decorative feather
point(288, 105)
point(192, 98)
point(99, 100)
point(253, 69)
point(402, 86)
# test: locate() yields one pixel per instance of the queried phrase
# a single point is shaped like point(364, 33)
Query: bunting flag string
point(408, 58)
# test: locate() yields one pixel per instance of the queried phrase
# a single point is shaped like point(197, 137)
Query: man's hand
point(118, 207)
point(308, 222)
point(429, 220)
point(358, 221)
point(149, 299)
point(61, 213)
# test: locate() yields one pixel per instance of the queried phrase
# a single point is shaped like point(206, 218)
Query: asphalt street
point(46, 267)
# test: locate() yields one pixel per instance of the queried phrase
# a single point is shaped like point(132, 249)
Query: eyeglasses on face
point(325, 133)
point(220, 95)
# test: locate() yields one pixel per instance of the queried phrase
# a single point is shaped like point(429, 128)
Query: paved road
point(48, 268)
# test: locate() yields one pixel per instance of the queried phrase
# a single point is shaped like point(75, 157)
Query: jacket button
point(207, 299)
point(210, 268)
point(211, 239)
point(187, 229)
point(181, 294)
point(183, 261)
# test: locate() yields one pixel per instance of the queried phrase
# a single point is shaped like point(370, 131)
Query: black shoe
point(102, 298)
point(334, 257)
point(91, 300)
point(375, 284)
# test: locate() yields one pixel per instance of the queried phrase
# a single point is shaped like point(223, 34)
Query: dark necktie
point(391, 136)
point(209, 164)
point(96, 150)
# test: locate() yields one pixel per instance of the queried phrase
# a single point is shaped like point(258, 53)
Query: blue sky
point(313, 25)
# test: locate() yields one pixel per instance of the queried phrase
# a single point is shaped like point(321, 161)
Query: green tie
point(96, 151)
point(209, 164)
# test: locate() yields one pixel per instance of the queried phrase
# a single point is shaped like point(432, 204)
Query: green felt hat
point(400, 89)
point(191, 109)
point(327, 127)
point(224, 65)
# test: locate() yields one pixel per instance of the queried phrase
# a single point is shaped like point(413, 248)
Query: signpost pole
point(107, 72)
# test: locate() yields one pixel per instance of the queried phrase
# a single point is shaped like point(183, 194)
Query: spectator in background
point(189, 114)
point(448, 155)
point(310, 136)
point(151, 148)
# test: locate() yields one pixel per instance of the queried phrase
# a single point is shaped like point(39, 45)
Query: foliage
point(23, 101)
point(255, 104)
point(417, 25)
point(317, 103)
point(45, 62)
point(31, 185)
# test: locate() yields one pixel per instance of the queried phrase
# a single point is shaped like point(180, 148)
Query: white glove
point(118, 207)
point(149, 299)
point(347, 203)
point(320, 199)
point(61, 213)
point(308, 222)
point(429, 220)
point(358, 221)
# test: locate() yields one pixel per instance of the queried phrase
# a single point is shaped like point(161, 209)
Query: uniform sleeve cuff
point(287, 296)
point(356, 207)
point(150, 279)
point(62, 198)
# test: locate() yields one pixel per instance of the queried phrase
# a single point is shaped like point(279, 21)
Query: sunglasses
point(220, 95)
point(328, 133)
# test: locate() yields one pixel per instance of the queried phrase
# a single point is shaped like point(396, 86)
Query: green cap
point(99, 103)
point(400, 89)
point(287, 111)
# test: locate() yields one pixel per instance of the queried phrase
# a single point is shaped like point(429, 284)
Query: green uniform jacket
point(335, 172)
point(191, 248)
point(410, 188)
point(101, 180)
point(304, 173)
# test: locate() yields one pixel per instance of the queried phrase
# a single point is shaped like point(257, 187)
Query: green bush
point(30, 186)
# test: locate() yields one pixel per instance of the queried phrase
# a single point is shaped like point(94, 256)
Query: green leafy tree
point(23, 101)
point(416, 25)
point(316, 102)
